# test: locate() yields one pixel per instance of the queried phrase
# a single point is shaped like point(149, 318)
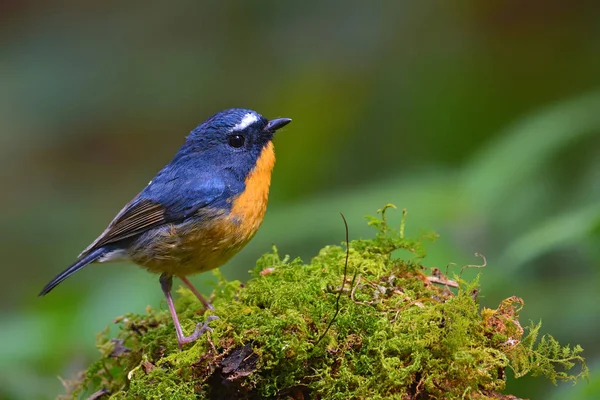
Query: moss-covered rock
point(375, 325)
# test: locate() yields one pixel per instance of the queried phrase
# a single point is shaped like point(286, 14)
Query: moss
point(401, 333)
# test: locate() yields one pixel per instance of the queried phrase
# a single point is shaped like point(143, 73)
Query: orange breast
point(249, 207)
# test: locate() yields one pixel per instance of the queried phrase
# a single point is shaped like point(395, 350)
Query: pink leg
point(166, 282)
point(205, 302)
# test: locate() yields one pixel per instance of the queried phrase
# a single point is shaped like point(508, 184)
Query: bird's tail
point(79, 264)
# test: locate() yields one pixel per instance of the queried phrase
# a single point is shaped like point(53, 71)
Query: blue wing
point(172, 196)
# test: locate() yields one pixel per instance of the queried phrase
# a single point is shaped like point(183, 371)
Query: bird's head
point(233, 139)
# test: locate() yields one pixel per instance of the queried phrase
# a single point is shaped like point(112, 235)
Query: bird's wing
point(137, 217)
point(162, 202)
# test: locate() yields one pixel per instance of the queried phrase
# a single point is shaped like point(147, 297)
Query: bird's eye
point(236, 141)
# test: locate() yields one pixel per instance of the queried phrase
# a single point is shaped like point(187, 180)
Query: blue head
point(232, 139)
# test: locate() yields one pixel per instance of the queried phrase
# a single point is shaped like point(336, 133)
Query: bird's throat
point(250, 206)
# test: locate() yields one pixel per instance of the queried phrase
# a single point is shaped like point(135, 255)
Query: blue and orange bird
point(198, 211)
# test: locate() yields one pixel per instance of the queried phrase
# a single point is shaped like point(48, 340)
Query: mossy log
point(365, 320)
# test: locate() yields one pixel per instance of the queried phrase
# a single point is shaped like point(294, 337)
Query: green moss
point(398, 334)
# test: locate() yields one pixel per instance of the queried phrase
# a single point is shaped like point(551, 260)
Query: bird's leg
point(166, 282)
point(202, 299)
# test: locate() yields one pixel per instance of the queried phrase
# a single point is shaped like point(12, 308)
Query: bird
point(201, 209)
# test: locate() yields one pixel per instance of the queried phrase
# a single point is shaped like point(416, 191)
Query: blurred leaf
point(552, 234)
point(520, 152)
point(587, 391)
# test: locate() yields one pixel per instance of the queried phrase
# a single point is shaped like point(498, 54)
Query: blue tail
point(79, 264)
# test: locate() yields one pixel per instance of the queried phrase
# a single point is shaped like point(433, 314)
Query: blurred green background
point(481, 118)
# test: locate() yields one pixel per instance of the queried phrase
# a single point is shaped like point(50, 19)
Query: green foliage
point(399, 334)
point(546, 357)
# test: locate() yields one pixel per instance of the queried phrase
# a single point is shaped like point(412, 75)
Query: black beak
point(276, 124)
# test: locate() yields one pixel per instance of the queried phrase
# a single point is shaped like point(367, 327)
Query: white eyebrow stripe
point(248, 120)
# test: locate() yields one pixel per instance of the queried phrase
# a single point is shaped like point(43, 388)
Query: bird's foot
point(201, 328)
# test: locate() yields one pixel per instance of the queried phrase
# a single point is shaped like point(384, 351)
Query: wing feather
point(140, 217)
point(161, 203)
point(137, 217)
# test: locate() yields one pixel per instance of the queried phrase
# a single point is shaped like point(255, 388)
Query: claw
point(201, 328)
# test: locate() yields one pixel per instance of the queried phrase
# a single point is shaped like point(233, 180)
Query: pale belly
point(191, 247)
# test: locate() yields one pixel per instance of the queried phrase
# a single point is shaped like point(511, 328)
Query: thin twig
point(442, 281)
point(337, 301)
point(474, 266)
point(354, 287)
